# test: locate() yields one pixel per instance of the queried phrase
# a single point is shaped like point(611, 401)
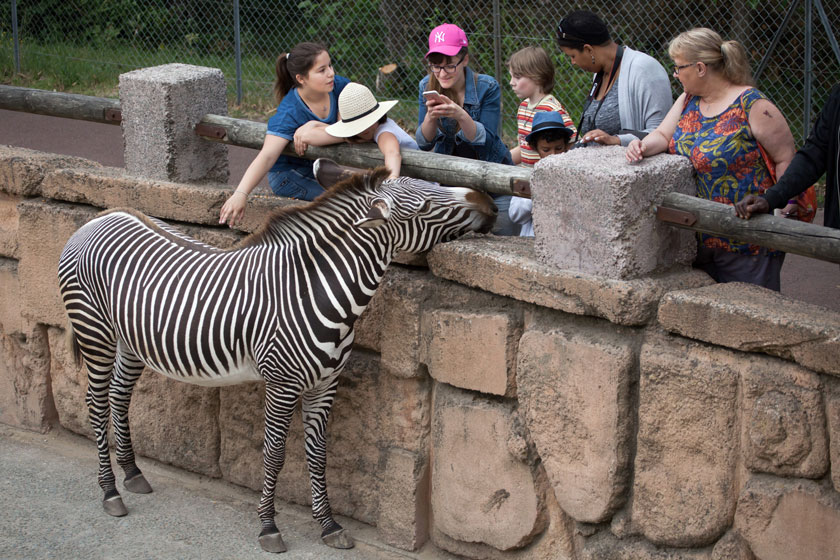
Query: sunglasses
point(567, 36)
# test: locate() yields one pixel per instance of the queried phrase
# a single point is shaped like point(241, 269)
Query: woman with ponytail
point(733, 135)
point(307, 89)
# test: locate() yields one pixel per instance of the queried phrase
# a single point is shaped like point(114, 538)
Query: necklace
point(320, 108)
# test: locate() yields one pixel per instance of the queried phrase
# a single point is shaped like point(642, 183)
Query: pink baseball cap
point(447, 39)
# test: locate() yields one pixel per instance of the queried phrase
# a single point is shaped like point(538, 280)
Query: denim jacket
point(482, 101)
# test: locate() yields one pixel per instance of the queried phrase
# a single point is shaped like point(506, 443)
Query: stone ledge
point(753, 319)
point(110, 187)
point(509, 267)
point(23, 170)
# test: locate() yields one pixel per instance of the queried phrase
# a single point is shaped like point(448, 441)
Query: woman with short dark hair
point(630, 92)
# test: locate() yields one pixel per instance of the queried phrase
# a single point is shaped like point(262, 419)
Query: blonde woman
point(718, 123)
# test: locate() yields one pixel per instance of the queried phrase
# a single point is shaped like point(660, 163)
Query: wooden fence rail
point(790, 236)
point(447, 170)
point(679, 210)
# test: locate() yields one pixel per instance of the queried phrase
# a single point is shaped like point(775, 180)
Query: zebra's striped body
point(280, 307)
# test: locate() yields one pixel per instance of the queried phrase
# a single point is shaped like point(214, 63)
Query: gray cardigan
point(644, 94)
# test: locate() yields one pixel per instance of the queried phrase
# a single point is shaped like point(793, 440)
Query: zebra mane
point(355, 185)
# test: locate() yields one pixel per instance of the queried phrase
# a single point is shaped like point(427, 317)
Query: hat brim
point(446, 50)
point(550, 126)
point(343, 129)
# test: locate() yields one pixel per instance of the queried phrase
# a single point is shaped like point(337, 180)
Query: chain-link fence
point(243, 38)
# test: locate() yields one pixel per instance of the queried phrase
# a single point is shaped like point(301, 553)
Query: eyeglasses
point(567, 36)
point(446, 68)
point(677, 68)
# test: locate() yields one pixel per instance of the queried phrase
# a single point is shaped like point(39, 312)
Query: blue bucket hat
point(546, 120)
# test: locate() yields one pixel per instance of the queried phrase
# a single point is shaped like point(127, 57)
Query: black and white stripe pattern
point(280, 307)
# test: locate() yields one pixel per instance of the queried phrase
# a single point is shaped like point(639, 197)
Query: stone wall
point(495, 405)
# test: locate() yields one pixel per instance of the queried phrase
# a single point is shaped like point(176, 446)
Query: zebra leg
point(280, 402)
point(316, 406)
point(100, 365)
point(127, 371)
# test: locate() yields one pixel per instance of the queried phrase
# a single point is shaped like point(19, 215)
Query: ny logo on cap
point(440, 37)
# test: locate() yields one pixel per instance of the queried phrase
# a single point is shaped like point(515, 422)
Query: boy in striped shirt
point(532, 79)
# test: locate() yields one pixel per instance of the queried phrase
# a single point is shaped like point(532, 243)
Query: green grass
point(78, 69)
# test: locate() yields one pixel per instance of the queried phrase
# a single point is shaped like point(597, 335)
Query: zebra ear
point(377, 215)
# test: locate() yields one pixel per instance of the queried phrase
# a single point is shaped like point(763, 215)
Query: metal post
point(809, 70)
point(827, 25)
point(497, 49)
point(237, 52)
point(15, 39)
point(775, 42)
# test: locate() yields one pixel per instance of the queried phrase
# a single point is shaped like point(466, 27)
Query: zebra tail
point(73, 344)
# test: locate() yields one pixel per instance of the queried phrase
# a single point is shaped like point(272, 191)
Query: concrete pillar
point(595, 213)
point(160, 108)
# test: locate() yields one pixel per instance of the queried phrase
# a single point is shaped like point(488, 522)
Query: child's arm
point(234, 208)
point(390, 148)
point(313, 133)
point(516, 154)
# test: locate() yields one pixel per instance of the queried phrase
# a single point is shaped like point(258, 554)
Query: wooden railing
point(783, 234)
point(447, 170)
point(676, 209)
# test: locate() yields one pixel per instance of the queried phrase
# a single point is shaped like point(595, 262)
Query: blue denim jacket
point(482, 101)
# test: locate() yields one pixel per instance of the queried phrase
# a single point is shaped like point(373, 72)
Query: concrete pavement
point(51, 508)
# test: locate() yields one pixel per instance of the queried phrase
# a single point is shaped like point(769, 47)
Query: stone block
point(160, 108)
point(594, 213)
point(472, 350)
point(783, 418)
point(784, 519)
point(604, 546)
point(574, 379)
point(402, 295)
point(508, 267)
point(685, 471)
point(25, 394)
point(69, 385)
point(11, 319)
point(404, 499)
point(23, 170)
point(9, 224)
point(44, 229)
point(752, 319)
point(176, 423)
point(832, 396)
point(372, 414)
point(480, 492)
point(732, 547)
point(114, 188)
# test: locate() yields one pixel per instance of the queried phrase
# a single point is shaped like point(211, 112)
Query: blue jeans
point(295, 182)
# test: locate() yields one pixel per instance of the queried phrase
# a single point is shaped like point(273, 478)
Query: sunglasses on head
point(567, 36)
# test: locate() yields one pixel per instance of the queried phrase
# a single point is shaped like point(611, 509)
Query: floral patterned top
point(725, 155)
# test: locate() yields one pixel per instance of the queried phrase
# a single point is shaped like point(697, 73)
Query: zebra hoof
point(272, 542)
point(338, 539)
point(138, 484)
point(114, 506)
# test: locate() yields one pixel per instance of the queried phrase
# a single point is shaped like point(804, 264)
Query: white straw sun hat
point(359, 110)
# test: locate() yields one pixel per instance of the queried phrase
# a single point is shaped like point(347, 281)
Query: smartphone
point(432, 95)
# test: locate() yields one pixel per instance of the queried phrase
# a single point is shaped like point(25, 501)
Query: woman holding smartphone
point(462, 117)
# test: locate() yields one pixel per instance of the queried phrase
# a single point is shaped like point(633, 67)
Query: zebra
point(279, 307)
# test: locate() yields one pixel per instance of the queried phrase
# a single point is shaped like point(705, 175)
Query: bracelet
point(240, 192)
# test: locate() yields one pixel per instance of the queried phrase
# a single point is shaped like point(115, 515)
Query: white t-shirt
point(520, 213)
point(403, 137)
